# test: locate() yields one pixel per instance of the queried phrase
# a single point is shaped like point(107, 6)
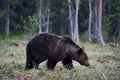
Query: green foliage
point(34, 23)
point(111, 19)
point(15, 1)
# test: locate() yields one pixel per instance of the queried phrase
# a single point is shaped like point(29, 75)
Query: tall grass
point(105, 63)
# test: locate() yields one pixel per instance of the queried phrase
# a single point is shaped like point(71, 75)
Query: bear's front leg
point(29, 64)
point(67, 63)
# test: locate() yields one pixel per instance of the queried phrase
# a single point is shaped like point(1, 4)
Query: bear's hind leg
point(51, 64)
point(67, 63)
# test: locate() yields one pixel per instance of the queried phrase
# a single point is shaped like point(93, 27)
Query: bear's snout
point(87, 63)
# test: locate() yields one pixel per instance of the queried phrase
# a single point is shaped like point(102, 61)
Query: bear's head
point(82, 57)
point(75, 52)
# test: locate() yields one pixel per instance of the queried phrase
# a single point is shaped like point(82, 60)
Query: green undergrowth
point(105, 63)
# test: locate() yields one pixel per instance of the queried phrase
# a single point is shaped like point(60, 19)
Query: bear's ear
point(83, 47)
point(80, 51)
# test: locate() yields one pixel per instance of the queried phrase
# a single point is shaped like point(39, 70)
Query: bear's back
point(45, 41)
point(45, 37)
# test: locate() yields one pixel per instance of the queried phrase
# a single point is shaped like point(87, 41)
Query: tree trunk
point(48, 17)
point(96, 20)
point(118, 37)
point(40, 16)
point(73, 19)
point(100, 36)
point(90, 22)
point(70, 18)
point(7, 18)
point(44, 11)
point(76, 32)
point(48, 21)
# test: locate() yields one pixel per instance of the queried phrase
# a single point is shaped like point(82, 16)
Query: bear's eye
point(78, 54)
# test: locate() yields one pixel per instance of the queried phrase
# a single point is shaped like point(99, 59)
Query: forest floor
point(105, 63)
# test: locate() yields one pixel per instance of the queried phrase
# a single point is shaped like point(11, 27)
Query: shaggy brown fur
point(54, 49)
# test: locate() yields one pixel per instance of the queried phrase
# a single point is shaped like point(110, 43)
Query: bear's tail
point(29, 58)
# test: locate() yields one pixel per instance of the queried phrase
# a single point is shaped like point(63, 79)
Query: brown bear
point(54, 48)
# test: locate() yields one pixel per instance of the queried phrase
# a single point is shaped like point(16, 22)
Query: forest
point(88, 19)
point(94, 24)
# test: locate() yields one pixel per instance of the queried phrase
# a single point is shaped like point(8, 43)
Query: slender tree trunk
point(48, 21)
point(73, 18)
point(118, 30)
point(44, 11)
point(43, 23)
point(96, 20)
point(101, 40)
point(90, 22)
point(76, 31)
point(7, 19)
point(40, 16)
point(70, 18)
point(48, 17)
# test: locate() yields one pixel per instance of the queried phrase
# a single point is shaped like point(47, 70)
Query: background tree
point(7, 17)
point(73, 18)
point(76, 31)
point(90, 21)
point(111, 19)
point(100, 36)
point(43, 15)
point(96, 30)
point(18, 12)
point(40, 15)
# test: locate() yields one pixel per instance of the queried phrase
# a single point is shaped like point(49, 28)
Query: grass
point(105, 63)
